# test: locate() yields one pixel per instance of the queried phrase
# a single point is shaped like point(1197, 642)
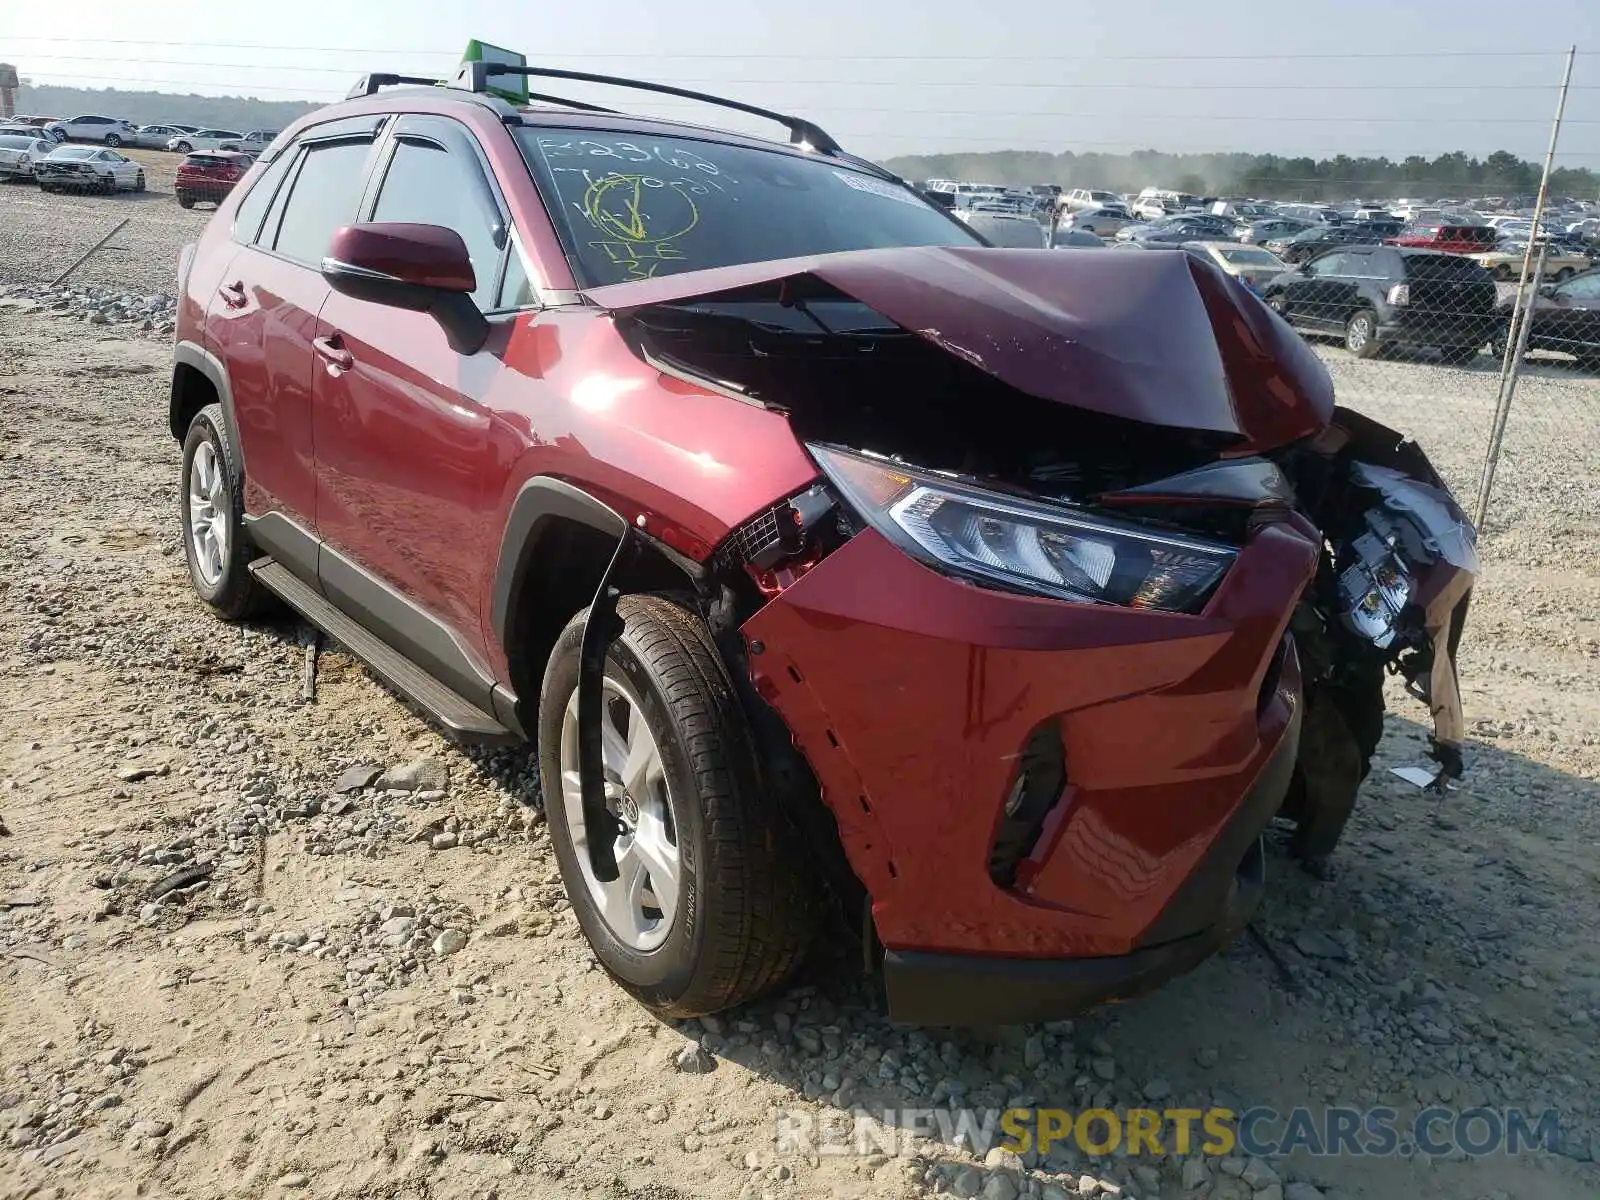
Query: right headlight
point(991, 537)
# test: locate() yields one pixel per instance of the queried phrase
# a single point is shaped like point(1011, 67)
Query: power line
point(654, 54)
point(942, 83)
point(948, 112)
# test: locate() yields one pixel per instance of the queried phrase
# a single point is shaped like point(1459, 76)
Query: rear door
point(1315, 297)
point(263, 318)
point(402, 427)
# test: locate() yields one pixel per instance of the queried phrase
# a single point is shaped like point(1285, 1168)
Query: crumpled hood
point(1150, 335)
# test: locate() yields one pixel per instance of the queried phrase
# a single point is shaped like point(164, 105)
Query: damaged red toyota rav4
point(826, 555)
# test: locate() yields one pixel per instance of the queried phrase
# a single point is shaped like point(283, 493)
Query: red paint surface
point(912, 695)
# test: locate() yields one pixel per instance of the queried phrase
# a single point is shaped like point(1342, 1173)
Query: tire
point(138, 182)
point(1563, 274)
point(743, 915)
point(113, 140)
point(233, 593)
point(1279, 305)
point(1502, 274)
point(186, 201)
point(1361, 333)
point(184, 148)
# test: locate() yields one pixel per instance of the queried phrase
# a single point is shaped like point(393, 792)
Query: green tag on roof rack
point(508, 87)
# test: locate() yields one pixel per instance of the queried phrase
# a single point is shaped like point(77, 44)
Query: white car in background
point(109, 131)
point(206, 139)
point(156, 137)
point(88, 169)
point(252, 143)
point(19, 152)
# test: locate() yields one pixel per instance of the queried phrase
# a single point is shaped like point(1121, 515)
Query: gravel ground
point(251, 944)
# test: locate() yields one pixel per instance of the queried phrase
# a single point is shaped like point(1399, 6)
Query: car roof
point(444, 101)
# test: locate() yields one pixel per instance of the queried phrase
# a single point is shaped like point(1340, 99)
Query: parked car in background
point(1451, 239)
point(1177, 229)
point(1257, 233)
point(1012, 229)
point(88, 169)
point(109, 131)
point(1378, 296)
point(207, 176)
point(204, 139)
point(1566, 318)
point(49, 127)
point(1309, 243)
point(1561, 261)
point(156, 137)
point(1087, 198)
point(19, 152)
point(1318, 214)
point(253, 142)
point(1066, 238)
point(1381, 226)
point(1105, 221)
point(1251, 265)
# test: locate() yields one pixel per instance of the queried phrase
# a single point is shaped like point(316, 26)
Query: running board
point(459, 717)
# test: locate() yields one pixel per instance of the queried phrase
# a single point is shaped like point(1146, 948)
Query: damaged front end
point(1136, 435)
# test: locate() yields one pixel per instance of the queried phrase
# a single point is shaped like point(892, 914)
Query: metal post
point(89, 253)
point(1522, 310)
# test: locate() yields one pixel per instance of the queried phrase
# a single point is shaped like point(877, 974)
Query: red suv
point(831, 560)
point(1452, 239)
point(209, 175)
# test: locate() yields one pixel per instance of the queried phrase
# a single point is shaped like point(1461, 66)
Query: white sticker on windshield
point(877, 187)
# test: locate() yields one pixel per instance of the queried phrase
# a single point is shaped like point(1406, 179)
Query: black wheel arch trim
point(538, 502)
point(193, 355)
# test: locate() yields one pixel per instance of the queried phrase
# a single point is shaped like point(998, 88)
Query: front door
point(401, 430)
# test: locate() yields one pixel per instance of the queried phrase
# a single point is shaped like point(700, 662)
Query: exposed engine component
point(1376, 586)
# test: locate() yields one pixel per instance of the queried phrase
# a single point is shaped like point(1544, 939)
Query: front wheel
point(211, 511)
point(185, 201)
point(1361, 334)
point(113, 140)
point(183, 148)
point(711, 906)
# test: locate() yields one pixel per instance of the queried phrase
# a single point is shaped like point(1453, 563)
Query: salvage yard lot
point(344, 1009)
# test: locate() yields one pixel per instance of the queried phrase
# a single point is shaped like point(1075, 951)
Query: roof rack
point(580, 105)
point(368, 84)
point(474, 77)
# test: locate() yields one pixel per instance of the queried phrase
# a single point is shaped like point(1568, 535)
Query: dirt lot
point(340, 1009)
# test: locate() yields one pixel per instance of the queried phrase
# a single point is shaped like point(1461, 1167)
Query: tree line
point(1453, 175)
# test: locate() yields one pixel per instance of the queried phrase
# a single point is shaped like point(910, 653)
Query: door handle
point(330, 349)
point(233, 294)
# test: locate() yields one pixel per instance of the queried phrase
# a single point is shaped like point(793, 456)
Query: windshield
point(1251, 258)
point(638, 206)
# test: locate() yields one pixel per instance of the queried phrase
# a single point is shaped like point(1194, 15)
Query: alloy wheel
point(640, 904)
point(208, 507)
point(1358, 334)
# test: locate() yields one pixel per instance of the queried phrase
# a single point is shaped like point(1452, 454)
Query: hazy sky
point(898, 76)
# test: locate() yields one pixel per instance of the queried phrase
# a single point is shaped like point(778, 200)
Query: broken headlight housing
point(994, 538)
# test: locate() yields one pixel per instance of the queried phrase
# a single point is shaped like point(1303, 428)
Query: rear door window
point(1330, 264)
point(325, 195)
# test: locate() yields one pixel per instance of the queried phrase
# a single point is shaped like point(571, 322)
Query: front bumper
point(912, 696)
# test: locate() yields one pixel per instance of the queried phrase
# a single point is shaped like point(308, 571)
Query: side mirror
point(422, 268)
